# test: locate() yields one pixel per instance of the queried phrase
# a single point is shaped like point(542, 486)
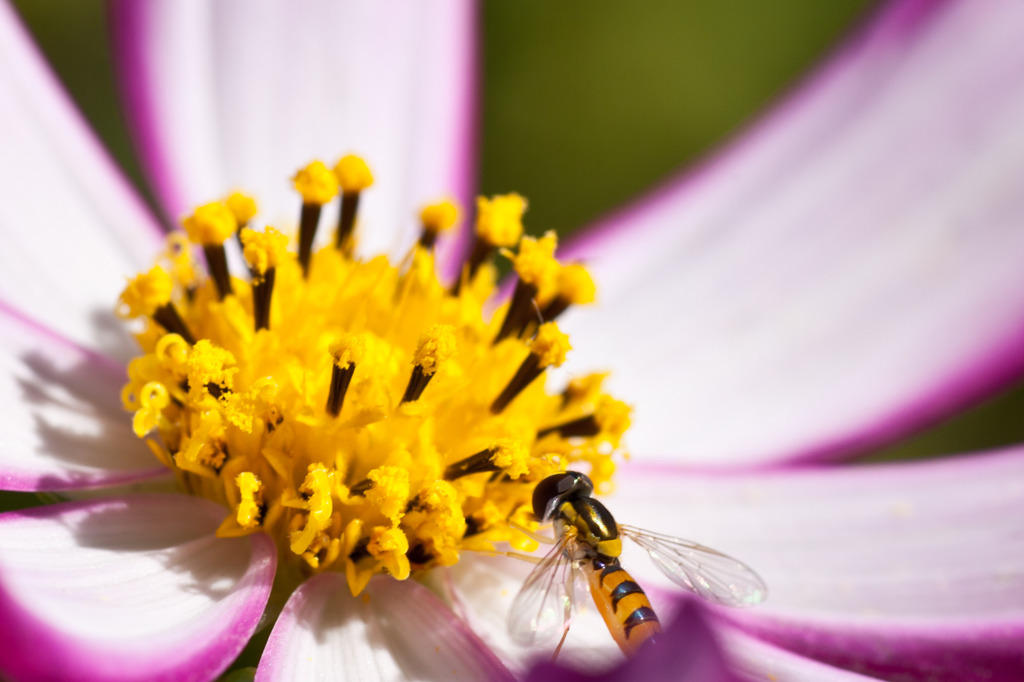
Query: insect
point(588, 544)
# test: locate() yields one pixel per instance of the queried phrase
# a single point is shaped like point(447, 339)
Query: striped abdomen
point(625, 608)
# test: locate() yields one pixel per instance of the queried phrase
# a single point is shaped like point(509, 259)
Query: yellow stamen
point(550, 345)
point(353, 174)
point(316, 184)
point(575, 285)
point(499, 220)
point(437, 218)
point(435, 347)
point(535, 263)
point(147, 292)
point(263, 250)
point(348, 349)
point(211, 224)
point(242, 206)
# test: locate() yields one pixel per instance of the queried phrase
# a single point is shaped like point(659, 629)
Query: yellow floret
point(441, 521)
point(147, 292)
point(435, 346)
point(389, 546)
point(317, 487)
point(211, 224)
point(440, 216)
point(499, 220)
point(208, 364)
point(390, 491)
point(575, 284)
point(248, 514)
point(172, 350)
point(353, 174)
point(512, 457)
point(264, 250)
point(550, 345)
point(316, 184)
point(242, 206)
point(152, 399)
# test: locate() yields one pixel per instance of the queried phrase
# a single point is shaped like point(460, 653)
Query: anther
point(435, 219)
point(510, 457)
point(353, 177)
point(263, 252)
point(243, 207)
point(436, 346)
point(499, 223)
point(149, 294)
point(347, 351)
point(547, 349)
point(575, 287)
point(537, 269)
point(317, 185)
point(210, 226)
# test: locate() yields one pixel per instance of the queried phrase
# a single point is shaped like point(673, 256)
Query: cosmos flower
point(845, 272)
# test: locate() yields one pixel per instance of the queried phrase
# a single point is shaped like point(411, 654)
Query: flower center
point(366, 416)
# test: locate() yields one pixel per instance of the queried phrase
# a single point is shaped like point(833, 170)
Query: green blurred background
point(586, 104)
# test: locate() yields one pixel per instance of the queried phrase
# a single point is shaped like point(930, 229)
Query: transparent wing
point(714, 576)
point(545, 603)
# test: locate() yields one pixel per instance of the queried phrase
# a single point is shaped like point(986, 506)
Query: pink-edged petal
point(846, 272)
point(911, 569)
point(61, 415)
point(133, 588)
point(757, 660)
point(72, 227)
point(241, 94)
point(395, 631)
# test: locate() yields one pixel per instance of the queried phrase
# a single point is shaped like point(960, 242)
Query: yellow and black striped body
point(595, 546)
point(625, 608)
point(622, 602)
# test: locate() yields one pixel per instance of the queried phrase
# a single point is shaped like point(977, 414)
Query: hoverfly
point(588, 544)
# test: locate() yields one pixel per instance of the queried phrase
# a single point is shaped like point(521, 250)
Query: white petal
point(134, 588)
point(61, 416)
point(396, 631)
point(846, 272)
point(240, 94)
point(887, 569)
point(72, 227)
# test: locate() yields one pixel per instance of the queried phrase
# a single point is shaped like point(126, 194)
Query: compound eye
point(581, 485)
point(548, 490)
